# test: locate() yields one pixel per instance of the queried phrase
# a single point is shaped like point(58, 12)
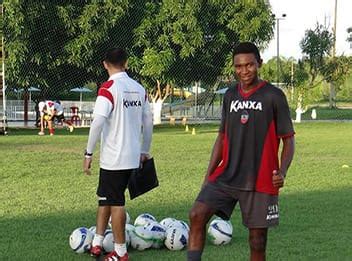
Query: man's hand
point(278, 179)
point(87, 162)
point(143, 158)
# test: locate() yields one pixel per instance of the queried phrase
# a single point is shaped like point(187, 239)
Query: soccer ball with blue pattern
point(220, 232)
point(81, 240)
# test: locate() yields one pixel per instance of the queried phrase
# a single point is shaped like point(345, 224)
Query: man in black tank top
point(244, 166)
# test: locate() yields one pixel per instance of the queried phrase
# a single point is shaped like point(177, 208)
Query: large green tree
point(183, 42)
point(53, 43)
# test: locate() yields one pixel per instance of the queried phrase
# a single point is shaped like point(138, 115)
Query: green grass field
point(44, 194)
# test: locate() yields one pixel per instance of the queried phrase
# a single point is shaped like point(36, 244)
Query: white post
point(4, 118)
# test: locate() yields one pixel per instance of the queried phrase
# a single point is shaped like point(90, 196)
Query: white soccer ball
point(167, 221)
point(179, 223)
point(108, 242)
point(129, 229)
point(81, 239)
point(144, 219)
point(128, 219)
point(176, 238)
point(158, 234)
point(220, 231)
point(141, 238)
point(93, 229)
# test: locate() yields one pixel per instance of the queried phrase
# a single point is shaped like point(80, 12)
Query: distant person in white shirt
point(48, 111)
point(121, 117)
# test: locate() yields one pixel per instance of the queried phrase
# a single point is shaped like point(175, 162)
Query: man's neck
point(115, 70)
point(246, 88)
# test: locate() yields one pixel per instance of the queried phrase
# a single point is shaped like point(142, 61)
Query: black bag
point(143, 180)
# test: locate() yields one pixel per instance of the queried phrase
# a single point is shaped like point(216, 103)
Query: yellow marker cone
point(193, 131)
point(186, 130)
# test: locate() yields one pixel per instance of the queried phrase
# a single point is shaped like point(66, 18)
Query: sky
point(302, 15)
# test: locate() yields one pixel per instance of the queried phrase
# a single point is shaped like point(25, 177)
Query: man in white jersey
point(121, 116)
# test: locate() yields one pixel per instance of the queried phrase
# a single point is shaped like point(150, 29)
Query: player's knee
point(257, 243)
point(196, 216)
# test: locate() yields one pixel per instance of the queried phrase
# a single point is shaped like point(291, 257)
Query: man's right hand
point(87, 162)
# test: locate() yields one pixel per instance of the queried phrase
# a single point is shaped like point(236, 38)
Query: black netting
point(179, 50)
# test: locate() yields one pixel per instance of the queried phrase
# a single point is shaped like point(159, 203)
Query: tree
point(316, 45)
point(183, 42)
point(58, 45)
point(61, 43)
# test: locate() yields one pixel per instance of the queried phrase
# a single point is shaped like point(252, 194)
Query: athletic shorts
point(259, 210)
point(112, 187)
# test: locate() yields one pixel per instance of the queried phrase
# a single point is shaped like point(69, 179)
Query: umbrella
point(81, 90)
point(221, 91)
point(32, 89)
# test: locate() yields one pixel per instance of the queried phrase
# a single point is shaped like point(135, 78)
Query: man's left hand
point(278, 179)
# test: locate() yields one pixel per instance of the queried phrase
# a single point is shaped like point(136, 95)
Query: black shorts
point(112, 187)
point(259, 210)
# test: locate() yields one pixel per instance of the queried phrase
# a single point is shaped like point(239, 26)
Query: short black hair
point(246, 47)
point(116, 56)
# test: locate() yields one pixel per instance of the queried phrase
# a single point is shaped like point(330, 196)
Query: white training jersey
point(46, 107)
point(123, 102)
point(49, 107)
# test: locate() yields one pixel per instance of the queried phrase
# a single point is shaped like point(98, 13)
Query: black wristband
point(88, 154)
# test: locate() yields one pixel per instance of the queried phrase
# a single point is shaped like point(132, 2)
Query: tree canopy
point(60, 44)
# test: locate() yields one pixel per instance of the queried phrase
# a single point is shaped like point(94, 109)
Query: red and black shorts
point(112, 187)
point(259, 210)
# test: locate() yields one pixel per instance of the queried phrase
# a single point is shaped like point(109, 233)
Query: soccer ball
point(158, 234)
point(93, 229)
point(179, 223)
point(220, 231)
point(141, 238)
point(108, 242)
point(167, 221)
point(128, 219)
point(144, 219)
point(81, 239)
point(176, 238)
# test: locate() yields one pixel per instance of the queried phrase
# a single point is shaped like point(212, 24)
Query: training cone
point(186, 130)
point(193, 131)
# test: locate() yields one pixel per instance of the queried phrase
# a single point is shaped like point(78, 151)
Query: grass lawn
point(44, 194)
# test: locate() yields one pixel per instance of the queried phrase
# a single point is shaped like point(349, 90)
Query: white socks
point(120, 249)
point(98, 240)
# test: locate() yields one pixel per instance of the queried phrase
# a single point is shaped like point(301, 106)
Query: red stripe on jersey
point(269, 163)
point(251, 91)
point(107, 84)
point(105, 93)
point(225, 159)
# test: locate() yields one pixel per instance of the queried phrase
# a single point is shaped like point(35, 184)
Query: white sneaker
point(41, 133)
point(71, 128)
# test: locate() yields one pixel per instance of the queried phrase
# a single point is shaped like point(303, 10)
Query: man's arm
point(147, 122)
point(216, 156)
point(94, 135)
point(287, 153)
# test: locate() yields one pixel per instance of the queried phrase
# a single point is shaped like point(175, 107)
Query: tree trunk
point(25, 107)
point(156, 108)
point(332, 96)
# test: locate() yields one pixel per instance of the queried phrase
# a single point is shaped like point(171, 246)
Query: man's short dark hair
point(116, 56)
point(246, 47)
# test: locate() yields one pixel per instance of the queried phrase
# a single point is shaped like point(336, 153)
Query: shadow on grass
point(314, 226)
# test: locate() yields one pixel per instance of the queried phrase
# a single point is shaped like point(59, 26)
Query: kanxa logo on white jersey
point(132, 103)
point(247, 105)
